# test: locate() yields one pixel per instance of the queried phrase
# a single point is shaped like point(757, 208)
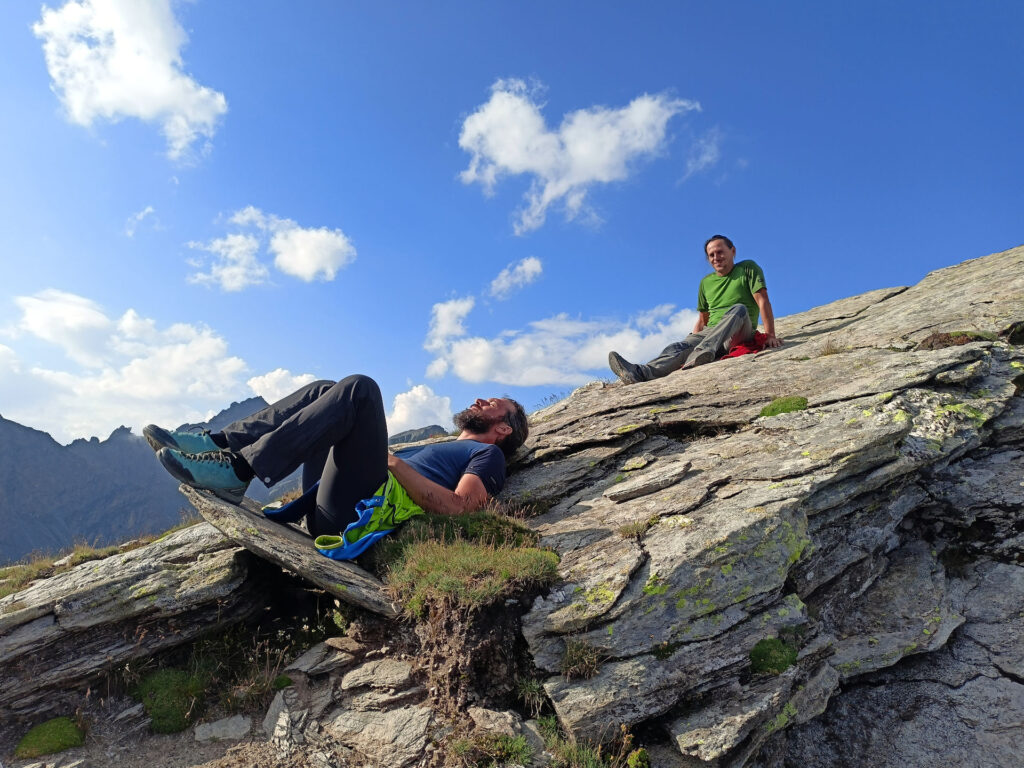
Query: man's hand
point(768, 317)
point(469, 495)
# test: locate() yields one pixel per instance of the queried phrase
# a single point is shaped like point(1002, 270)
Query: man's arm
point(469, 495)
point(765, 306)
point(702, 321)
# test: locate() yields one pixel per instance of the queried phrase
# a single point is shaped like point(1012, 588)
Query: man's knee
point(360, 385)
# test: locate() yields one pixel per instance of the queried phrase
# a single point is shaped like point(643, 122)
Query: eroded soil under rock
point(474, 658)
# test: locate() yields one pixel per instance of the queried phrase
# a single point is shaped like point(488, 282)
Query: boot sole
point(616, 364)
point(181, 474)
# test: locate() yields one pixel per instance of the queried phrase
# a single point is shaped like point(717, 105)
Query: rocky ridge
point(879, 533)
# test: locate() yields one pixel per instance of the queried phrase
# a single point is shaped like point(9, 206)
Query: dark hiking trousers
point(336, 431)
point(734, 328)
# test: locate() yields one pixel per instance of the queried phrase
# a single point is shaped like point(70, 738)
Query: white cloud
point(75, 324)
point(234, 265)
point(135, 219)
point(446, 322)
point(419, 407)
point(705, 153)
point(278, 383)
point(130, 371)
point(311, 253)
point(111, 59)
point(516, 276)
point(8, 361)
point(308, 253)
point(557, 349)
point(508, 136)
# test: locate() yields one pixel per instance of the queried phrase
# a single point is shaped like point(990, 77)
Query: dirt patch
point(953, 339)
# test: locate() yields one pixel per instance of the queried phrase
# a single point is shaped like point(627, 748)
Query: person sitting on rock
point(337, 432)
point(729, 301)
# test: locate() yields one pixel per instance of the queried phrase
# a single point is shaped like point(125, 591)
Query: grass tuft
point(466, 574)
point(772, 656)
point(52, 736)
point(531, 692)
point(832, 347)
point(784, 405)
point(581, 659)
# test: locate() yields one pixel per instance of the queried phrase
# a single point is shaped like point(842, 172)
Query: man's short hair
point(712, 239)
point(515, 418)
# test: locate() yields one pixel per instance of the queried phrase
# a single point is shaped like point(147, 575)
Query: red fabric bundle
point(756, 344)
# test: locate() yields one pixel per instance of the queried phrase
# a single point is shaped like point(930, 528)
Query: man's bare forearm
point(431, 496)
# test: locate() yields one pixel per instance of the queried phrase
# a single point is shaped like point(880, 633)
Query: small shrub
point(772, 656)
point(581, 659)
point(784, 405)
point(172, 698)
point(52, 736)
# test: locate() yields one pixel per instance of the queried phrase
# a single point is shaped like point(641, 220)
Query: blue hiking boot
point(210, 471)
point(186, 442)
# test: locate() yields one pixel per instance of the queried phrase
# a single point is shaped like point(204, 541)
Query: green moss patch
point(52, 736)
point(772, 656)
point(172, 698)
point(784, 405)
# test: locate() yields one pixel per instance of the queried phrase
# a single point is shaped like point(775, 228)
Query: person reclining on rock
point(729, 301)
point(337, 432)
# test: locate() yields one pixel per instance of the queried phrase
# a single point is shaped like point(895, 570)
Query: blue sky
point(206, 200)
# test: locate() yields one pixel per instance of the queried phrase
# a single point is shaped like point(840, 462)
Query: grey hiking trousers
point(734, 328)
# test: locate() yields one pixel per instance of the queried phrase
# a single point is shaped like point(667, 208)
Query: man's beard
point(474, 423)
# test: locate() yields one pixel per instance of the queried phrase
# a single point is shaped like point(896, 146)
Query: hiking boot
point(628, 373)
point(699, 356)
point(214, 471)
point(186, 442)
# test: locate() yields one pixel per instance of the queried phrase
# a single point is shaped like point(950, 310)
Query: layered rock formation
point(690, 528)
point(876, 535)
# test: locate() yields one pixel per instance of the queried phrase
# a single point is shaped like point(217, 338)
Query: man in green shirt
point(729, 301)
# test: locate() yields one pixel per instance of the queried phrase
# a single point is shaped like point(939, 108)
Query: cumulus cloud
point(135, 219)
point(508, 136)
point(234, 265)
point(557, 349)
point(75, 324)
point(278, 383)
point(419, 407)
point(120, 370)
point(704, 154)
point(446, 322)
point(112, 59)
point(516, 276)
point(308, 253)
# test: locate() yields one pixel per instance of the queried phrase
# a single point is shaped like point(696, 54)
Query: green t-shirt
point(719, 292)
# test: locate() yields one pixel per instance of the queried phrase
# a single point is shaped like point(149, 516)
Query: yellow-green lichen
point(781, 720)
point(655, 585)
point(627, 428)
point(602, 593)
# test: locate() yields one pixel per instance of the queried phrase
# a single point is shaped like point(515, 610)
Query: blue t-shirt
point(446, 463)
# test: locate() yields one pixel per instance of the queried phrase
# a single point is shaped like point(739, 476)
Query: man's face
point(483, 414)
point(721, 257)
